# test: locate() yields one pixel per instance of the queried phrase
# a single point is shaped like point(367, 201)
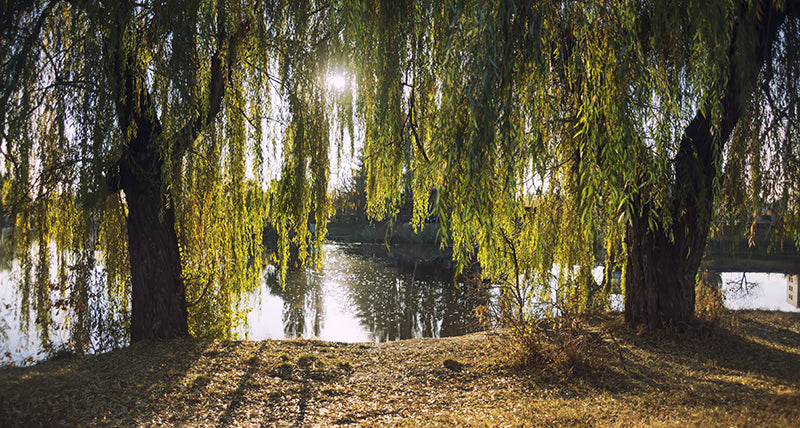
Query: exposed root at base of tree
point(743, 370)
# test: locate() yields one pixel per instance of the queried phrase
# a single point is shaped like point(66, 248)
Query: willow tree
point(541, 127)
point(750, 58)
point(136, 129)
point(658, 124)
point(546, 127)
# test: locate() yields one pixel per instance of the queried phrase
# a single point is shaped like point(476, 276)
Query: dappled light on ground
point(744, 371)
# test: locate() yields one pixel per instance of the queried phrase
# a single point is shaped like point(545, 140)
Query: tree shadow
point(275, 389)
point(708, 365)
point(778, 335)
point(119, 387)
point(235, 397)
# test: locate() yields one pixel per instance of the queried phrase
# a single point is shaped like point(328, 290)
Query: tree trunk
point(158, 307)
point(663, 260)
point(660, 274)
point(158, 301)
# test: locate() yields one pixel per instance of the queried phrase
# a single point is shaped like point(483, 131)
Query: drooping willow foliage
point(62, 141)
point(540, 129)
point(762, 165)
point(544, 127)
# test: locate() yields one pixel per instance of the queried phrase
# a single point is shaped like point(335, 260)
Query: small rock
point(453, 365)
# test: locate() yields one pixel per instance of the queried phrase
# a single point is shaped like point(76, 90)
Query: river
point(363, 294)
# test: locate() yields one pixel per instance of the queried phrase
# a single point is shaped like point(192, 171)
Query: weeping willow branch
point(411, 124)
point(202, 295)
point(20, 60)
point(220, 78)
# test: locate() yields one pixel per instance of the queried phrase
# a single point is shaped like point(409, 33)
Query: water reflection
point(757, 290)
point(738, 287)
point(302, 301)
point(401, 306)
point(366, 294)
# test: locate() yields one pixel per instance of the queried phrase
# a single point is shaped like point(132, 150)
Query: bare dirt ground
point(743, 371)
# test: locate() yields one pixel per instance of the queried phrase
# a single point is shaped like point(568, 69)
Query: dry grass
point(743, 371)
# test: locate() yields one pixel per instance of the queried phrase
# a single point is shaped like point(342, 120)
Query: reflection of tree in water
point(741, 287)
point(711, 294)
point(393, 303)
point(302, 300)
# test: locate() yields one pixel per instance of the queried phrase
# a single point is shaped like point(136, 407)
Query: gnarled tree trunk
point(660, 272)
point(663, 260)
point(659, 288)
point(158, 306)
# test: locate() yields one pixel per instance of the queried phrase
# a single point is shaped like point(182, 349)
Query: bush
point(710, 296)
point(553, 339)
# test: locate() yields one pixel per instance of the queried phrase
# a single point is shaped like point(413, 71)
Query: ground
point(743, 370)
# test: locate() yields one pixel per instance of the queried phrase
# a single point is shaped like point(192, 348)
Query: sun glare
point(336, 81)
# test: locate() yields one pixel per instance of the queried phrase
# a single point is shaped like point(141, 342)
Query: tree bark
point(158, 295)
point(660, 272)
point(158, 306)
point(663, 260)
point(158, 301)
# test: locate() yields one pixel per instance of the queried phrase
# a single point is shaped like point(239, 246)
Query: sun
point(336, 81)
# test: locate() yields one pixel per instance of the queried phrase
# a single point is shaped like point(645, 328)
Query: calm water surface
point(757, 290)
point(362, 294)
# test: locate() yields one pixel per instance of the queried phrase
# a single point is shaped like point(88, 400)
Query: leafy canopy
point(541, 124)
point(63, 138)
point(535, 124)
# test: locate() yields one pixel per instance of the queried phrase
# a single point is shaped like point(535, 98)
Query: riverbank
point(744, 371)
point(378, 232)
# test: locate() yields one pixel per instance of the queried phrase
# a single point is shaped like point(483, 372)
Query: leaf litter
point(742, 371)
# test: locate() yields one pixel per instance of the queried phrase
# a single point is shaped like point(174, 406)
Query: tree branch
point(20, 61)
point(221, 64)
point(202, 295)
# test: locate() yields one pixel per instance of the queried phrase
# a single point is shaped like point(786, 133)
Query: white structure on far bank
point(792, 290)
